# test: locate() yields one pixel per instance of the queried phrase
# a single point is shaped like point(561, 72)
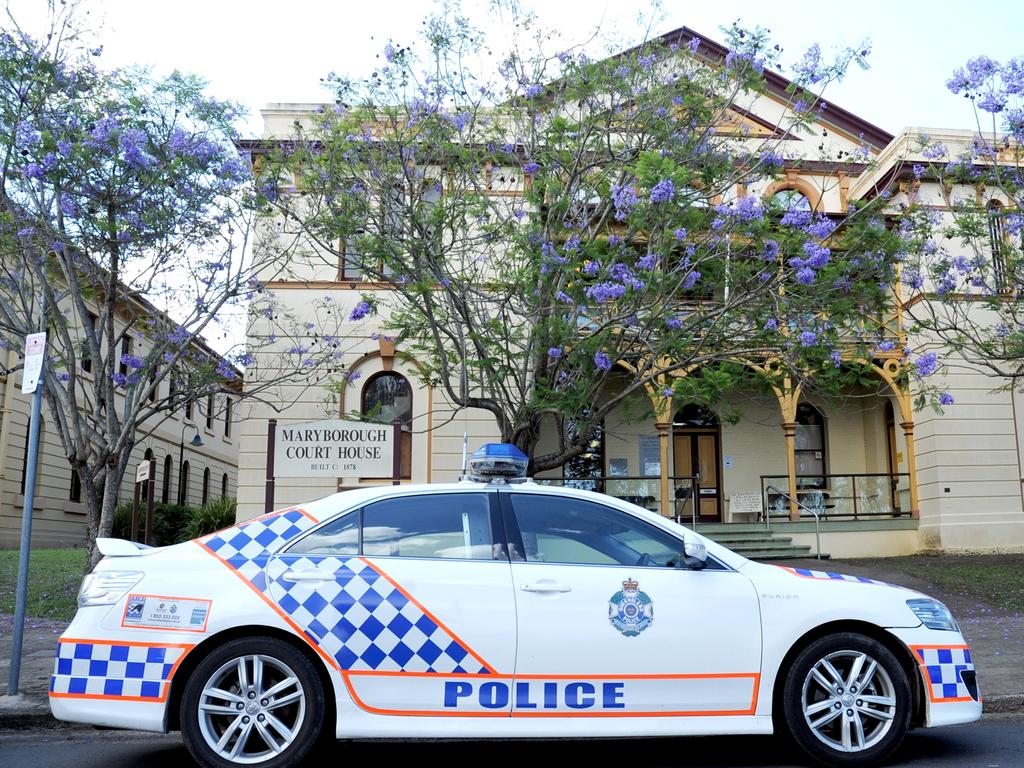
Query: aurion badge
point(631, 611)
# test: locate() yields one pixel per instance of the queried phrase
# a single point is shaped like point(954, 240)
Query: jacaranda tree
point(966, 274)
point(566, 235)
point(125, 214)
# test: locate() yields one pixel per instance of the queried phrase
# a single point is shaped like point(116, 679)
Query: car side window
point(446, 525)
point(570, 530)
point(338, 538)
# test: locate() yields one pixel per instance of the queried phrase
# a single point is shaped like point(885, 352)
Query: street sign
point(142, 472)
point(334, 448)
point(35, 349)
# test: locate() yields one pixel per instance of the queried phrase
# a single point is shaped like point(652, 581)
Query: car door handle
point(312, 575)
point(545, 586)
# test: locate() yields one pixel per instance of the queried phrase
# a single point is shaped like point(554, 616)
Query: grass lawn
point(54, 578)
point(994, 580)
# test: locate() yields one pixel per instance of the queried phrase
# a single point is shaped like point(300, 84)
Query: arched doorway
point(697, 451)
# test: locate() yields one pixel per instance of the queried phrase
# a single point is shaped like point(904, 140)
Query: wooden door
point(696, 452)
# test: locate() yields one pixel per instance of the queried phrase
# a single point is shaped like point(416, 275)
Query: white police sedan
point(496, 610)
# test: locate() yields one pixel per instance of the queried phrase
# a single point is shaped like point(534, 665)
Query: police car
point(496, 608)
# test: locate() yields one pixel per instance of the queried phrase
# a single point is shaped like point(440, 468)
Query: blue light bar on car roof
point(497, 460)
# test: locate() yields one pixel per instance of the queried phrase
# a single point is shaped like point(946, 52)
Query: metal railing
point(817, 518)
point(642, 490)
point(864, 495)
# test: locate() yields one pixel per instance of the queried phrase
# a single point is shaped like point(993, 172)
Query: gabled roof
point(777, 85)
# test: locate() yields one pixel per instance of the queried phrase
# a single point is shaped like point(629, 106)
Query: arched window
point(75, 493)
point(183, 485)
point(387, 396)
point(165, 493)
point(206, 486)
point(810, 447)
point(224, 485)
point(997, 241)
point(586, 471)
point(789, 200)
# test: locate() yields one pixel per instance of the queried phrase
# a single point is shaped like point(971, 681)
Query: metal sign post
point(144, 487)
point(35, 351)
point(396, 454)
point(151, 486)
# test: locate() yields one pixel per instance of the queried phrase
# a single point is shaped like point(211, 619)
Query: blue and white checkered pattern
point(358, 617)
point(942, 667)
point(829, 576)
point(108, 669)
point(246, 546)
point(364, 621)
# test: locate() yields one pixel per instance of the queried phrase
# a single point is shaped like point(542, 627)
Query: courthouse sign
point(334, 448)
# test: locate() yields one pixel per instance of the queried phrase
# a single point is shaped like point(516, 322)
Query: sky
point(258, 52)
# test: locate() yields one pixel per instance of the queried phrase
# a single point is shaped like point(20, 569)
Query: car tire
point(255, 701)
point(847, 701)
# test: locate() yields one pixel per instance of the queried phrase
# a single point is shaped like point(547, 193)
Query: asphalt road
point(995, 742)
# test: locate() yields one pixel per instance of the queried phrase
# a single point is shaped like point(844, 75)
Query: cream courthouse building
point(885, 479)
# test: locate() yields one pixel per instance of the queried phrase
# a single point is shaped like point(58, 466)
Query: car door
point(609, 625)
point(411, 597)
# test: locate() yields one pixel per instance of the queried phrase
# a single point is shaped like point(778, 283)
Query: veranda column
point(790, 429)
point(908, 434)
point(664, 431)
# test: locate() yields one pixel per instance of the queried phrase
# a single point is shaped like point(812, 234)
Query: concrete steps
point(755, 541)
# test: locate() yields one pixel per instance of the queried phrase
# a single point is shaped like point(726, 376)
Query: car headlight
point(106, 587)
point(933, 614)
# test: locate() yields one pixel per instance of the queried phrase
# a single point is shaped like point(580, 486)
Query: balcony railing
point(644, 491)
point(854, 496)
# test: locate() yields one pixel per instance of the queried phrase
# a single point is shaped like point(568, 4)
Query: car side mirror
point(695, 554)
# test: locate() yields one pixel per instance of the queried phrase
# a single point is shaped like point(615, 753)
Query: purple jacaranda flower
point(805, 276)
point(807, 338)
point(624, 199)
point(132, 361)
point(531, 167)
point(926, 364)
point(361, 310)
point(554, 352)
point(602, 362)
point(605, 292)
point(663, 191)
point(945, 399)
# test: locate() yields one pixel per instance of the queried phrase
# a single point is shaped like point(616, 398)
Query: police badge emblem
point(630, 611)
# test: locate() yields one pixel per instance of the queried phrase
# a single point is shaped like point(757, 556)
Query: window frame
point(515, 547)
point(494, 514)
point(405, 472)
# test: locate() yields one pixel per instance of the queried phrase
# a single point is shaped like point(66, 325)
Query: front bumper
point(948, 675)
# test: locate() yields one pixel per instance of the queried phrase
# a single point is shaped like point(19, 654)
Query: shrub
point(214, 515)
point(170, 522)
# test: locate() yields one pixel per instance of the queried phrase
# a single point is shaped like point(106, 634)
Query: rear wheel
point(256, 701)
point(847, 700)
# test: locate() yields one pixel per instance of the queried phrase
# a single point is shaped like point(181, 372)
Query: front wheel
point(847, 701)
point(256, 701)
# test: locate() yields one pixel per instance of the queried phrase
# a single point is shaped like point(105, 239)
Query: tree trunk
point(101, 519)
